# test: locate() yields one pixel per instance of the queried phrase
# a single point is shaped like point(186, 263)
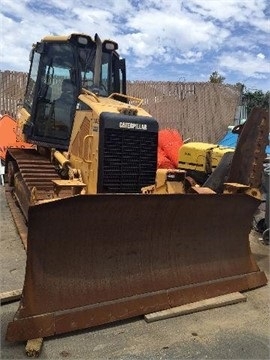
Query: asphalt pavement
point(239, 331)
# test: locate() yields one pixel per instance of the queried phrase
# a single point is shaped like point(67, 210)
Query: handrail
point(88, 92)
point(84, 147)
point(140, 101)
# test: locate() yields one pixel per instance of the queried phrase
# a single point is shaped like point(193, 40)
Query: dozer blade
point(95, 259)
point(247, 164)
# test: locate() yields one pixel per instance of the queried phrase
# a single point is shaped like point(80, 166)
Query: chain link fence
point(12, 90)
point(199, 111)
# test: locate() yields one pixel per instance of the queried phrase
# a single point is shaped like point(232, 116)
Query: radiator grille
point(129, 160)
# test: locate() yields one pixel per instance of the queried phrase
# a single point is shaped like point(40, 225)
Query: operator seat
point(64, 106)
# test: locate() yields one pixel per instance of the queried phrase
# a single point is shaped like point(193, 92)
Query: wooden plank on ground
point(33, 347)
point(9, 296)
point(207, 304)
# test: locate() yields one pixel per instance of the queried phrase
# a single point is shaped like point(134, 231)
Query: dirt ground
point(239, 331)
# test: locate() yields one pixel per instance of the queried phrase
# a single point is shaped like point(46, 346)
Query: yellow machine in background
point(201, 159)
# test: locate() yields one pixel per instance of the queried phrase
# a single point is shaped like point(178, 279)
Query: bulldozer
point(110, 237)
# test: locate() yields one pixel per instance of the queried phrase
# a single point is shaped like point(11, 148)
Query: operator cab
point(60, 68)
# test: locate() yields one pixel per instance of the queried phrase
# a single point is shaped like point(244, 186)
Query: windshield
point(58, 73)
point(56, 93)
point(87, 62)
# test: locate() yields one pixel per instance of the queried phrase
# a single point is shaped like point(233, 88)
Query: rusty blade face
point(247, 163)
point(94, 259)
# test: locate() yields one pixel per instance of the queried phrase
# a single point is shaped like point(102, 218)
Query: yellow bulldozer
point(110, 237)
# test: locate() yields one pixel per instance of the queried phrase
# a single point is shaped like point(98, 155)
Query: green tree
point(256, 98)
point(215, 77)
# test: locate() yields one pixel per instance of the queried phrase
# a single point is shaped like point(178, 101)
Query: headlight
point(110, 45)
point(82, 40)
